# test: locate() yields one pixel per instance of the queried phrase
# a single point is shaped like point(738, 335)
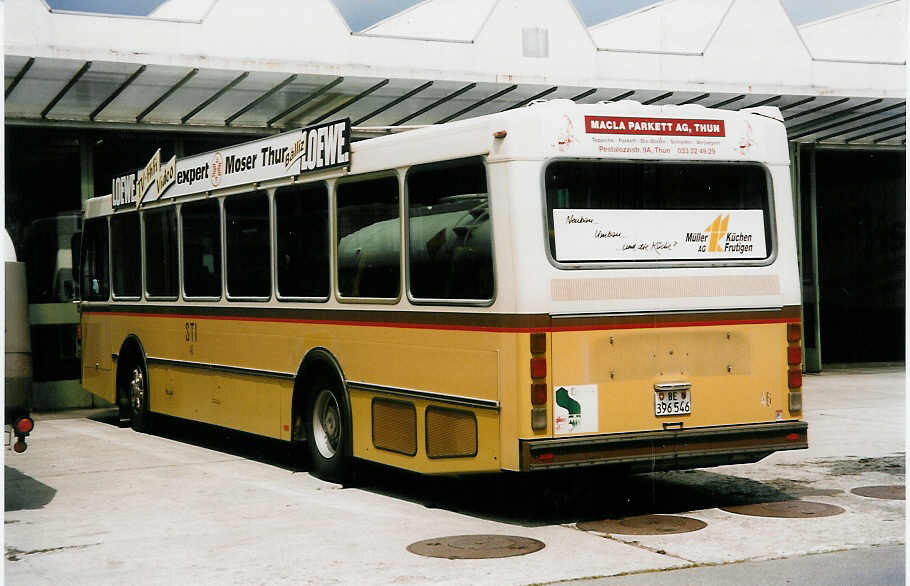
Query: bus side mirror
point(75, 249)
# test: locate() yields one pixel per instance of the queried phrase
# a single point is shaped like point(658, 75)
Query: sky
point(361, 14)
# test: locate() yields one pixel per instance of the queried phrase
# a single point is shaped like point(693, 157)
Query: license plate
point(672, 403)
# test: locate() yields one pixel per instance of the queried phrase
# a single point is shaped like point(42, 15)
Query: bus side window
point(246, 220)
point(201, 227)
point(302, 225)
point(161, 253)
point(125, 264)
point(94, 260)
point(449, 241)
point(369, 239)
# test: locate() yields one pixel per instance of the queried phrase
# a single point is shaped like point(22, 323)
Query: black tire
point(123, 407)
point(136, 384)
point(328, 434)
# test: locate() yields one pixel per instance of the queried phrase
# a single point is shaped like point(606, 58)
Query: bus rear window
point(645, 211)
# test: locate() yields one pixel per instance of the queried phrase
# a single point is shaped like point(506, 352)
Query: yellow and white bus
point(557, 285)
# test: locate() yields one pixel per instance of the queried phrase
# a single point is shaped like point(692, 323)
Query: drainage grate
point(787, 509)
point(897, 492)
point(473, 547)
point(644, 525)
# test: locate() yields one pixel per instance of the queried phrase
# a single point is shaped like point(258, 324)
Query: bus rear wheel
point(137, 391)
point(327, 434)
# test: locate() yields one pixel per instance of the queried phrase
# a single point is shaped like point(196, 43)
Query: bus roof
point(542, 130)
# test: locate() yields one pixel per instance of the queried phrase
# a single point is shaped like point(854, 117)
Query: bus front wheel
point(328, 434)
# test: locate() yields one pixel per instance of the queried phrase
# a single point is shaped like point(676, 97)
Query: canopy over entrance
point(257, 68)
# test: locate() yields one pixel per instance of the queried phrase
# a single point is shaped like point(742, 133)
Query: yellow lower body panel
point(425, 436)
point(731, 374)
point(240, 372)
point(247, 403)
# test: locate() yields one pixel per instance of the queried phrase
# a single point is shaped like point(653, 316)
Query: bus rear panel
point(671, 288)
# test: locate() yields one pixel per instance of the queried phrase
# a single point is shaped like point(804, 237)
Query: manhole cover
point(787, 509)
point(896, 492)
point(474, 547)
point(644, 525)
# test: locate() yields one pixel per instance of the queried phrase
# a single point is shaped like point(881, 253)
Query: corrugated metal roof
point(667, 27)
point(452, 20)
point(268, 66)
point(873, 34)
point(194, 10)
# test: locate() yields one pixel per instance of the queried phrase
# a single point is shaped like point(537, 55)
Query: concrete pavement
point(92, 503)
point(878, 566)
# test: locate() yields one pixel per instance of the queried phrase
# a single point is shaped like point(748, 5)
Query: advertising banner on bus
point(653, 126)
point(657, 235)
point(713, 135)
point(307, 150)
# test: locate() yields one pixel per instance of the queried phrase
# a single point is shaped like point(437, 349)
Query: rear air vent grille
point(395, 426)
point(451, 433)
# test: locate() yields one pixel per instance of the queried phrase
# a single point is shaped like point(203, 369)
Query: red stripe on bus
point(680, 324)
point(467, 328)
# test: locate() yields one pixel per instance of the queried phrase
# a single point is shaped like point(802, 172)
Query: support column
point(86, 166)
point(811, 292)
point(796, 185)
point(796, 189)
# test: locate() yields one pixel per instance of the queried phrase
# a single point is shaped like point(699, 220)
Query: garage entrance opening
point(861, 252)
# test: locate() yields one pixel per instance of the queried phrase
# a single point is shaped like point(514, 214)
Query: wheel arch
point(131, 349)
point(318, 364)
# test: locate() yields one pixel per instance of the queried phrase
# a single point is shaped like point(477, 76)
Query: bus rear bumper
point(671, 449)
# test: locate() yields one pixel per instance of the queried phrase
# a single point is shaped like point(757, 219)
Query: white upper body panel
point(519, 144)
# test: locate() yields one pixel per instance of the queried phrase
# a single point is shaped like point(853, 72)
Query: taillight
point(539, 390)
point(538, 394)
point(795, 377)
point(794, 367)
point(24, 425)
